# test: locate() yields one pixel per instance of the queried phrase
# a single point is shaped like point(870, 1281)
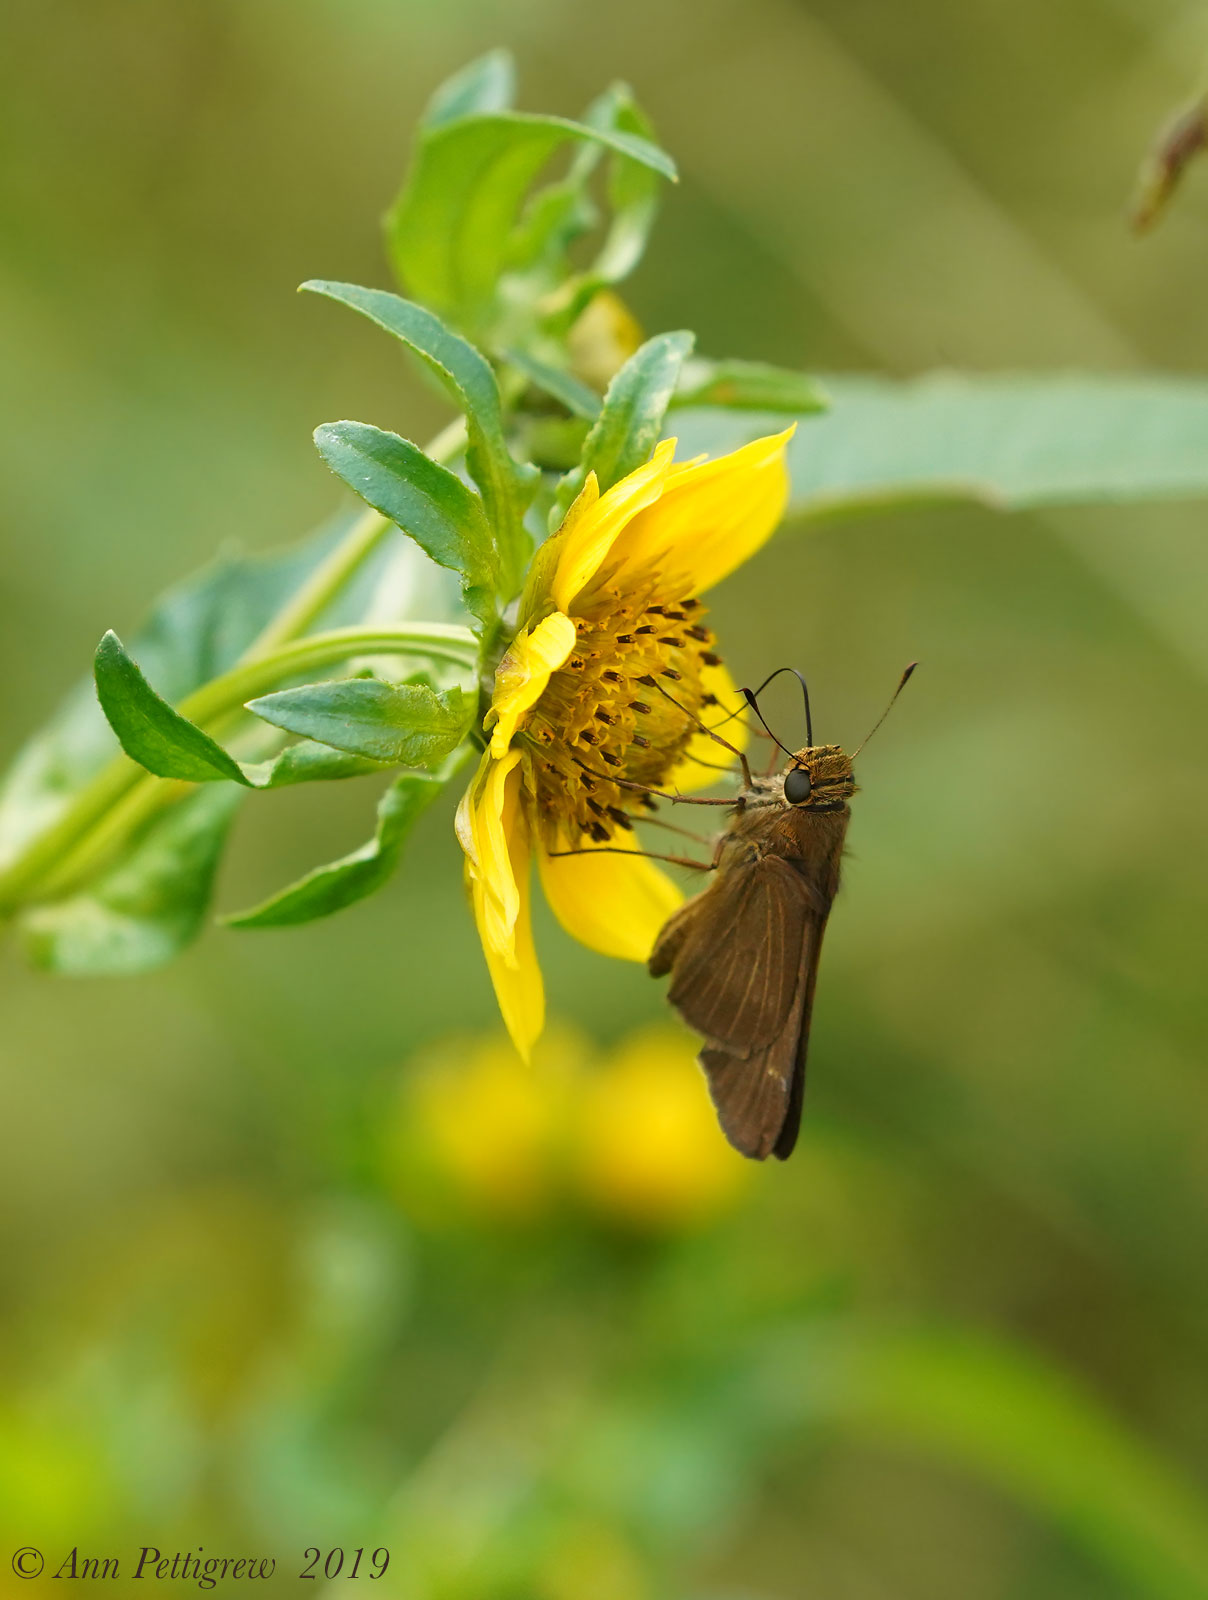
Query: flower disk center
point(620, 711)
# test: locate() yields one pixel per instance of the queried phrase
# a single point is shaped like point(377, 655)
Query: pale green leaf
point(1028, 1429)
point(148, 906)
point(1011, 440)
point(748, 386)
point(408, 724)
point(487, 84)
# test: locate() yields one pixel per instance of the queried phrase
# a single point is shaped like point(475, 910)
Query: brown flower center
point(622, 707)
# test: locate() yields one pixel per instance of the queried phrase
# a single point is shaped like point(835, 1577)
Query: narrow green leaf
point(356, 876)
point(150, 731)
point(748, 386)
point(506, 486)
point(408, 725)
point(1011, 440)
point(448, 234)
point(1025, 1427)
point(561, 386)
point(424, 499)
point(148, 906)
point(487, 84)
point(631, 419)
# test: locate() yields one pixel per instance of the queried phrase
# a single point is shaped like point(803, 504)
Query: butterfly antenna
point(904, 680)
point(750, 696)
point(705, 728)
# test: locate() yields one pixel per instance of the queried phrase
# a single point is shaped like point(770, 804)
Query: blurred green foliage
point(958, 1347)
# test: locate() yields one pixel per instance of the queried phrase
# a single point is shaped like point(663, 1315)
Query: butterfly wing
point(744, 962)
point(743, 958)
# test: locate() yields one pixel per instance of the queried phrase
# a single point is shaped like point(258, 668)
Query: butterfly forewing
point(743, 957)
point(728, 979)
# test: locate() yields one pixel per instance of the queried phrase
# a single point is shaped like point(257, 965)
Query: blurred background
point(284, 1262)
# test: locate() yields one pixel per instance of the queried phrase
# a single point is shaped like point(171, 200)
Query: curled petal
point(522, 675)
point(616, 904)
point(517, 983)
point(537, 586)
point(588, 535)
point(493, 834)
point(690, 771)
point(710, 518)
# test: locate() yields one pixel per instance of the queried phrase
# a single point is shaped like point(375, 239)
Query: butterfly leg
point(653, 683)
point(644, 788)
point(650, 855)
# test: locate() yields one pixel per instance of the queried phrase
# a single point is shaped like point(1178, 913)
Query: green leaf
point(354, 877)
point(748, 386)
point(408, 725)
point(307, 762)
point(632, 191)
point(196, 631)
point(449, 232)
point(145, 908)
point(424, 499)
point(561, 386)
point(1028, 1429)
point(631, 419)
point(506, 486)
point(487, 84)
point(1015, 441)
point(148, 729)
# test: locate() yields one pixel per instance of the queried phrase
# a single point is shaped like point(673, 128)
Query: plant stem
point(123, 795)
point(323, 584)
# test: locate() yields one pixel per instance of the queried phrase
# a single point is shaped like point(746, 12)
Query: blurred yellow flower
point(599, 691)
point(629, 1138)
point(649, 1150)
point(489, 1126)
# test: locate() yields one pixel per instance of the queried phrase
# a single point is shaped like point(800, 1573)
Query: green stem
point(123, 795)
point(323, 584)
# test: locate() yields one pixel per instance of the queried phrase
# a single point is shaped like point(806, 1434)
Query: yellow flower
point(610, 626)
point(478, 1125)
point(649, 1151)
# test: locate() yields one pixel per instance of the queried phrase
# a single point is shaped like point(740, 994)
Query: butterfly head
point(818, 778)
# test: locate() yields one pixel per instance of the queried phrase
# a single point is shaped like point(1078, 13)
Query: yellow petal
point(688, 772)
point(586, 542)
point(536, 597)
point(522, 675)
point(711, 517)
point(616, 904)
point(491, 830)
point(494, 834)
point(517, 983)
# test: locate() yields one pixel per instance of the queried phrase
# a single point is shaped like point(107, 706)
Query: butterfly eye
point(797, 786)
